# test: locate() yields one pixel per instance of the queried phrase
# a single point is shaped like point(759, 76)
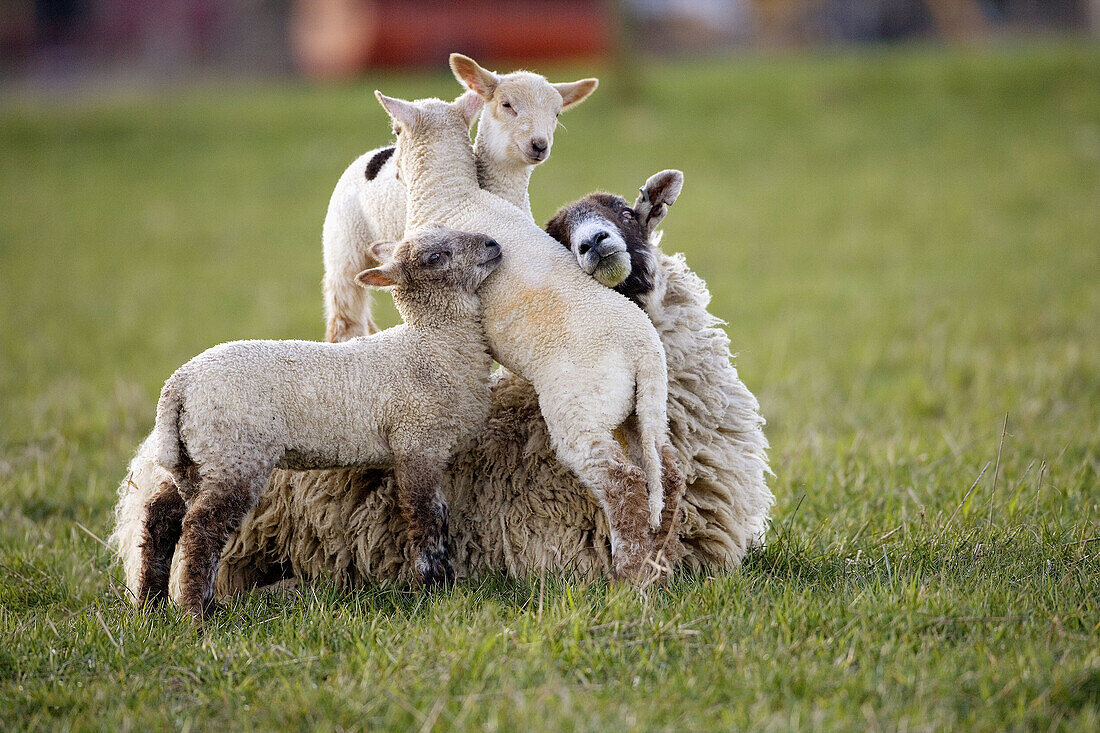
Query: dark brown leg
point(617, 484)
point(163, 524)
point(627, 505)
point(420, 495)
point(211, 518)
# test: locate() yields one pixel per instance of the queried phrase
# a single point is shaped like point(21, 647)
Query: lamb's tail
point(171, 453)
point(651, 409)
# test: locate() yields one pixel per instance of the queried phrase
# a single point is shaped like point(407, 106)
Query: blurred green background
point(905, 244)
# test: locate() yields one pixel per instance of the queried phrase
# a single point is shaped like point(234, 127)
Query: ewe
point(407, 397)
point(594, 359)
point(514, 135)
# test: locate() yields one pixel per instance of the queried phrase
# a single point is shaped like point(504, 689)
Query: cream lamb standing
point(408, 397)
point(594, 359)
point(515, 134)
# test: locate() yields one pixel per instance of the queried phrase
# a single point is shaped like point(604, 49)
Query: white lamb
point(408, 397)
point(594, 359)
point(515, 134)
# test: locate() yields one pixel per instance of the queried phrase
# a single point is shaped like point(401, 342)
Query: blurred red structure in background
point(341, 37)
point(50, 41)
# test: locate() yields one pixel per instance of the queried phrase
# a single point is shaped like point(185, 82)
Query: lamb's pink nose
point(539, 145)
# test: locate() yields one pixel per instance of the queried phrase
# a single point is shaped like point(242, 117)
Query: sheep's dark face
point(610, 244)
point(612, 240)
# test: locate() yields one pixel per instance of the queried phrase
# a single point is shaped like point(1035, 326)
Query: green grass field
point(906, 245)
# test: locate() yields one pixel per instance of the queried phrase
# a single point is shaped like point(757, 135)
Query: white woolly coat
point(308, 404)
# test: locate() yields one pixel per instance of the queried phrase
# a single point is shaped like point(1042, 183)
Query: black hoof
point(435, 569)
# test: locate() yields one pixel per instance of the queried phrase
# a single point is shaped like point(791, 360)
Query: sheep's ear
point(659, 192)
point(400, 110)
point(469, 104)
point(470, 75)
point(385, 276)
point(574, 92)
point(383, 251)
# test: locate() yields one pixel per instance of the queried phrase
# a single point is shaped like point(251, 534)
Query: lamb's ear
point(469, 104)
point(659, 192)
point(574, 92)
point(383, 251)
point(400, 110)
point(470, 75)
point(385, 276)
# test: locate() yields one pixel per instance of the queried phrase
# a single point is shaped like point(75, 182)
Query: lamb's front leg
point(620, 488)
point(211, 517)
point(420, 496)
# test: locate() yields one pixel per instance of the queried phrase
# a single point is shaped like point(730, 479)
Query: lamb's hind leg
point(347, 305)
point(211, 517)
point(420, 495)
point(619, 486)
point(162, 526)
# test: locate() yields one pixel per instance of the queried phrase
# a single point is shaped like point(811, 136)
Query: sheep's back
point(538, 300)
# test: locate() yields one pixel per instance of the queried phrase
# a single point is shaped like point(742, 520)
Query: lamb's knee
point(346, 308)
point(339, 329)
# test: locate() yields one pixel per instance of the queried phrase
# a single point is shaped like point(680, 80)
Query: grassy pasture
point(906, 245)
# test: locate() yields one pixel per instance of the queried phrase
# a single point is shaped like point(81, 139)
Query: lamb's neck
point(436, 183)
point(508, 180)
point(464, 339)
point(458, 326)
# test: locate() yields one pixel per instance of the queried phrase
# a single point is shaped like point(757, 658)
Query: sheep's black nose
point(539, 145)
point(600, 236)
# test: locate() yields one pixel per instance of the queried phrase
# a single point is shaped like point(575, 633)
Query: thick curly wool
point(514, 508)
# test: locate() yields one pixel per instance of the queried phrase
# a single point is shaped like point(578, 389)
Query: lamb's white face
point(520, 119)
point(521, 109)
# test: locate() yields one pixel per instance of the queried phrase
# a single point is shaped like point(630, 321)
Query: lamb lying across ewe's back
point(407, 397)
point(514, 508)
point(594, 359)
point(515, 134)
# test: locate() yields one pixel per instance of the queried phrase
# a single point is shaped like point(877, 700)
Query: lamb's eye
point(628, 214)
point(434, 258)
point(508, 106)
